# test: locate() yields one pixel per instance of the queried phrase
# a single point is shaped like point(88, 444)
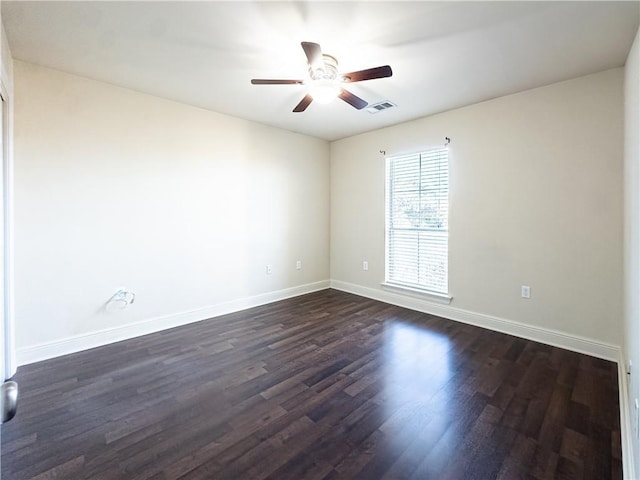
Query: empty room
point(320, 240)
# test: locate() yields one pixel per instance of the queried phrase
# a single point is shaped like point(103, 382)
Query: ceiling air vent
point(378, 107)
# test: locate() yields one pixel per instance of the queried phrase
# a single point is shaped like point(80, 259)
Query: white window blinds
point(417, 226)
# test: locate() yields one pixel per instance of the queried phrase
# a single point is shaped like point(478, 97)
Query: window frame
point(416, 289)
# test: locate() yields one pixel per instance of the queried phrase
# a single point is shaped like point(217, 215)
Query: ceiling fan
point(325, 83)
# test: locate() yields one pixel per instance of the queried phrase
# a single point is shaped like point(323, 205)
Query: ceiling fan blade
point(368, 74)
point(262, 81)
point(314, 54)
point(304, 103)
point(352, 99)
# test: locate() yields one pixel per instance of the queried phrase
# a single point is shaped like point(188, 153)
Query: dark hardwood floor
point(324, 386)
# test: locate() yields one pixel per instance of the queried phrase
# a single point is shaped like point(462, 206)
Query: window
point(417, 226)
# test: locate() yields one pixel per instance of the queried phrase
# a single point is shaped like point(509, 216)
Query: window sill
point(417, 293)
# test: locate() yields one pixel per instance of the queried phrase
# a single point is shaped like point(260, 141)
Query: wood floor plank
point(323, 386)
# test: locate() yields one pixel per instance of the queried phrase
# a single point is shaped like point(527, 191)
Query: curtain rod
point(447, 141)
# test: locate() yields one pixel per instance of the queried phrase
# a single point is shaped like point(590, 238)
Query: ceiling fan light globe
point(324, 91)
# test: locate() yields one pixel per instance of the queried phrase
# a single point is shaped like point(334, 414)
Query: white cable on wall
point(120, 300)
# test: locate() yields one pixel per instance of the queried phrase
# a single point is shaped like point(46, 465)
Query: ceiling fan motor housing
point(327, 71)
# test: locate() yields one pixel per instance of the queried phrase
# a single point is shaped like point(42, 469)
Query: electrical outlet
point(525, 291)
point(269, 270)
point(365, 265)
point(299, 265)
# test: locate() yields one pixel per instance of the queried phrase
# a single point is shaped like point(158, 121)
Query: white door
point(8, 389)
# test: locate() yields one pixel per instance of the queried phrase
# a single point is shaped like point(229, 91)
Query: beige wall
point(631, 343)
point(117, 188)
point(536, 199)
point(183, 206)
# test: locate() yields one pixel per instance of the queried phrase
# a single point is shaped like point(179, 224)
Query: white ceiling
point(443, 54)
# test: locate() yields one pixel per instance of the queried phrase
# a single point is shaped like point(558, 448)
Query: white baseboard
point(530, 332)
point(36, 353)
point(78, 343)
point(626, 430)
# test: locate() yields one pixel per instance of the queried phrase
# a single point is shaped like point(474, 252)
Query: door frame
point(10, 361)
